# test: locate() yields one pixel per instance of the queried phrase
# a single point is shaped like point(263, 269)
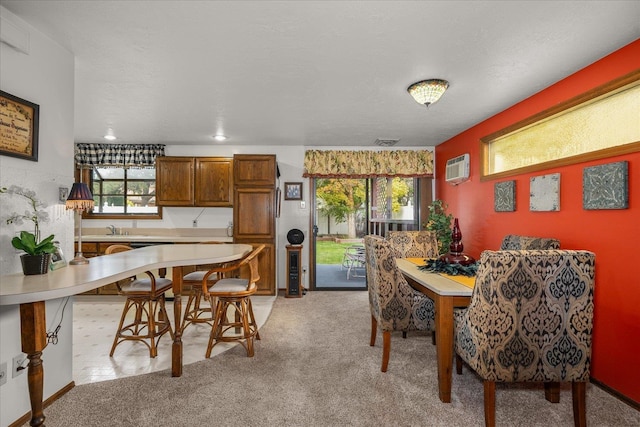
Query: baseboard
point(635, 405)
point(55, 396)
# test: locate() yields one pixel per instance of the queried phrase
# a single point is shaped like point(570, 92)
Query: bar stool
point(194, 312)
point(232, 292)
point(146, 298)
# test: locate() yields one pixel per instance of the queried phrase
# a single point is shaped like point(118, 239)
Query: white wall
point(44, 76)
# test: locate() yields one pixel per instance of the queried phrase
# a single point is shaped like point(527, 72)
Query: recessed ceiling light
point(220, 137)
point(110, 136)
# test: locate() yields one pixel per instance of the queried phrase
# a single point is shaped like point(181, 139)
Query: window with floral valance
point(368, 164)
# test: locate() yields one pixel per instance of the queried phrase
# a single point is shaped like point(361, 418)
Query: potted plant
point(440, 223)
point(37, 257)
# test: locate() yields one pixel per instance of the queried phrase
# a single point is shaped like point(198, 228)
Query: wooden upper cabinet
point(214, 181)
point(194, 181)
point(254, 213)
point(175, 181)
point(254, 170)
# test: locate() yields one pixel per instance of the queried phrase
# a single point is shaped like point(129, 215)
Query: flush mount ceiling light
point(427, 92)
point(220, 137)
point(110, 136)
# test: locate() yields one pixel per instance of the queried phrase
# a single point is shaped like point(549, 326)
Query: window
point(123, 193)
point(393, 205)
point(599, 124)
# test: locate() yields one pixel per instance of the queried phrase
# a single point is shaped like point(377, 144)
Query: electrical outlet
point(17, 368)
point(3, 373)
point(195, 223)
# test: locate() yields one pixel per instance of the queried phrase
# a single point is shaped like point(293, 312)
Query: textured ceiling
point(315, 73)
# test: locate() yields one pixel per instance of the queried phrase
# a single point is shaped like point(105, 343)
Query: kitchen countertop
point(157, 235)
point(151, 239)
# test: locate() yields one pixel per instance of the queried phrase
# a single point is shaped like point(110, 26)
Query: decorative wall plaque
point(606, 186)
point(544, 193)
point(18, 127)
point(504, 196)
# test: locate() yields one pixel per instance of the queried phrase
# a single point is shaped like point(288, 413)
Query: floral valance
point(117, 155)
point(368, 164)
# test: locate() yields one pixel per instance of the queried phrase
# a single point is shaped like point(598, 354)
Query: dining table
point(447, 292)
point(31, 291)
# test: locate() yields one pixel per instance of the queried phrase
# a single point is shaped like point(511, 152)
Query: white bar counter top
point(75, 279)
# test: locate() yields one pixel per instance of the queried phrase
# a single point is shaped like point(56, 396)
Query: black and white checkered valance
point(117, 155)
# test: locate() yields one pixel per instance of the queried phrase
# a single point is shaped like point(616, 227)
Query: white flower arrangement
point(29, 242)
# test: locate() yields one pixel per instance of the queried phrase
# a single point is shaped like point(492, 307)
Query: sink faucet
point(112, 229)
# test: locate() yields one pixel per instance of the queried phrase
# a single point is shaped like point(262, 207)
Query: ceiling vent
point(457, 169)
point(386, 142)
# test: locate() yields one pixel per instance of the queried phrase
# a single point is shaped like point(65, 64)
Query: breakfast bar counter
point(31, 292)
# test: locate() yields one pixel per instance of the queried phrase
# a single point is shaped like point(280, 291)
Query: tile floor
point(95, 319)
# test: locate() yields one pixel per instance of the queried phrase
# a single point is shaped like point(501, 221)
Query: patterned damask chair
point(394, 304)
point(512, 242)
point(530, 319)
point(414, 244)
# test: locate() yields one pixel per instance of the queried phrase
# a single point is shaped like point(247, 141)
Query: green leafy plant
point(27, 242)
point(440, 223)
point(30, 242)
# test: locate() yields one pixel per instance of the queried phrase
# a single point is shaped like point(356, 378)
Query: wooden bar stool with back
point(233, 292)
point(195, 311)
point(146, 297)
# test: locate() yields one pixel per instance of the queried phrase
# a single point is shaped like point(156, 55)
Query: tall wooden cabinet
point(194, 181)
point(254, 211)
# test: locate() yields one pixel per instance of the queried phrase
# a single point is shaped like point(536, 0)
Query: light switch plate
point(303, 205)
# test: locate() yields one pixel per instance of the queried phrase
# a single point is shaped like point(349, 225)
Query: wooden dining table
point(446, 294)
point(31, 292)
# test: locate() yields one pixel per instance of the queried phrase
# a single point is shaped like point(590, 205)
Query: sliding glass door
point(345, 210)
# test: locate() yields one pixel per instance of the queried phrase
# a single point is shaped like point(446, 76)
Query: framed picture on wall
point(293, 191)
point(19, 137)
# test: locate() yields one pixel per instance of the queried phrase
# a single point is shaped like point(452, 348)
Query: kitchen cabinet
point(254, 170)
point(254, 212)
point(194, 181)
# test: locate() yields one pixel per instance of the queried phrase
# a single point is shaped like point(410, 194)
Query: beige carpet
point(314, 367)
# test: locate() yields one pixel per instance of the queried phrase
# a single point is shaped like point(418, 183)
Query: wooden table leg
point(444, 345)
point(176, 349)
point(33, 329)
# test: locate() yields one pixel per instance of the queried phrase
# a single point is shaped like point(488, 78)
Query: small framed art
point(293, 191)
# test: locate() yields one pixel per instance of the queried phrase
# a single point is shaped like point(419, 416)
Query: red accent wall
point(613, 235)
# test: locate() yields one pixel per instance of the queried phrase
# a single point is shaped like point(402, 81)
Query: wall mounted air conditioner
point(457, 169)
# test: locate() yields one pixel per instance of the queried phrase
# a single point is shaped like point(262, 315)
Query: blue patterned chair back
point(530, 316)
point(393, 302)
point(414, 244)
point(512, 242)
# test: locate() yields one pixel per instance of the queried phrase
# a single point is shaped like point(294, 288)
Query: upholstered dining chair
point(414, 244)
point(515, 242)
point(195, 310)
point(231, 292)
point(530, 319)
point(146, 299)
point(394, 304)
